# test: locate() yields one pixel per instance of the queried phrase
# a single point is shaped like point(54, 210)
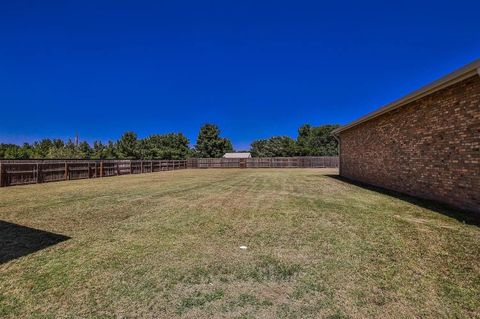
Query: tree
point(127, 146)
point(98, 150)
point(304, 133)
point(3, 149)
point(12, 152)
point(26, 151)
point(58, 143)
point(166, 146)
point(111, 151)
point(42, 148)
point(311, 141)
point(56, 150)
point(70, 150)
point(317, 141)
point(210, 144)
point(84, 150)
point(282, 146)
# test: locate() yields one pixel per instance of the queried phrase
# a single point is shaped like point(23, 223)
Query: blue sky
point(255, 68)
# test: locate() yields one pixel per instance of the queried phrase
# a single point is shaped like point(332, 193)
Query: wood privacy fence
point(20, 172)
point(266, 162)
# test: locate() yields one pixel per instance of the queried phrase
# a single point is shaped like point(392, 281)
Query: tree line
point(311, 141)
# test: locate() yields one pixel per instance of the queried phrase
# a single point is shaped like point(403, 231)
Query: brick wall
point(429, 148)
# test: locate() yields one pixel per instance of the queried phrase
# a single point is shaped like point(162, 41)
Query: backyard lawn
point(166, 245)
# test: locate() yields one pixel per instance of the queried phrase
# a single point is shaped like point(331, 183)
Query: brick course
point(429, 148)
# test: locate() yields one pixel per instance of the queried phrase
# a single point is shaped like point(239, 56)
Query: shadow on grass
point(444, 209)
point(17, 241)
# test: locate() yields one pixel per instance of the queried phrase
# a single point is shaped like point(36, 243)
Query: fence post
point(3, 176)
point(39, 173)
point(36, 168)
point(118, 168)
point(101, 169)
point(141, 166)
point(67, 177)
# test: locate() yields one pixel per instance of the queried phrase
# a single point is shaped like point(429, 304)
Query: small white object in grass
point(243, 247)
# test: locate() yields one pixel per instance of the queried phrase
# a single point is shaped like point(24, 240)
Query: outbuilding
point(426, 144)
point(238, 155)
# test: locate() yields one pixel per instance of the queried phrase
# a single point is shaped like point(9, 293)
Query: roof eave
point(461, 74)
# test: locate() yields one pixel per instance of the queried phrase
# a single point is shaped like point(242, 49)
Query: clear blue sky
point(255, 68)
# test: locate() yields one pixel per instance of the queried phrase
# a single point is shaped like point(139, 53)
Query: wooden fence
point(266, 162)
point(20, 172)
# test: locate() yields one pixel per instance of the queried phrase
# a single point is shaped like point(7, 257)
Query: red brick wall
point(429, 148)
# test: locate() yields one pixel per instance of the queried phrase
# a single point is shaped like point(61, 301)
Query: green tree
point(304, 133)
point(3, 149)
point(70, 151)
point(41, 149)
point(26, 151)
point(58, 143)
point(165, 146)
point(210, 144)
point(57, 150)
point(12, 152)
point(281, 146)
point(84, 150)
point(111, 151)
point(317, 141)
point(98, 150)
point(127, 146)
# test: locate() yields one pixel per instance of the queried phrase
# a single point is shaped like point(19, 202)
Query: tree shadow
point(444, 209)
point(17, 241)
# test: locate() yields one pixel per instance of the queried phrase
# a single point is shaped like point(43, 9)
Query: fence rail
point(266, 162)
point(21, 172)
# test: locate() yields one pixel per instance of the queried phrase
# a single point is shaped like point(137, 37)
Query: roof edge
point(460, 74)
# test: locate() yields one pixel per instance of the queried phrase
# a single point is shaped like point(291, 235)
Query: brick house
point(426, 144)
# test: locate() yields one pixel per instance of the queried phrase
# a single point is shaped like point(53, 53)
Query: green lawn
point(166, 245)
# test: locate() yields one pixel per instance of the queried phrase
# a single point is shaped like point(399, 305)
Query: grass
point(166, 245)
